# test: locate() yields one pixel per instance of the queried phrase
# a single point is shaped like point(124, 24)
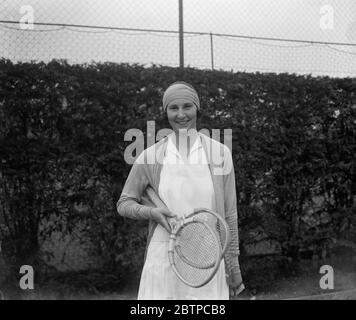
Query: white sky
point(292, 19)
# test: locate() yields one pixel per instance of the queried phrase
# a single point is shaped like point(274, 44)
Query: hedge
point(62, 142)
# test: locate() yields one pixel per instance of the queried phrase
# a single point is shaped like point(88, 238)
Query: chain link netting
point(294, 36)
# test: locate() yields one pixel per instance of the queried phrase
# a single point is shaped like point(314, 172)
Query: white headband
point(180, 91)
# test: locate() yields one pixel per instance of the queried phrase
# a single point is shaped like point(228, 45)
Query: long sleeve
point(130, 208)
point(129, 203)
point(231, 211)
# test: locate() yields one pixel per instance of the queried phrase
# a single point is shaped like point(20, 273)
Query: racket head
point(195, 253)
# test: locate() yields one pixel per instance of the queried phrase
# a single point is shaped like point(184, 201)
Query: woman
point(185, 176)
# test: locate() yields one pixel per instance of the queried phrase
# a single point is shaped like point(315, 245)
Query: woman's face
point(182, 114)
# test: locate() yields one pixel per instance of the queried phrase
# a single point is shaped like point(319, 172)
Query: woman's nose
point(181, 113)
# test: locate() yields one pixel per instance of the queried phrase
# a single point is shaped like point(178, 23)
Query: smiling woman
point(184, 180)
point(181, 102)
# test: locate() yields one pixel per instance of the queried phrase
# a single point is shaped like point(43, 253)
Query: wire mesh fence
point(295, 36)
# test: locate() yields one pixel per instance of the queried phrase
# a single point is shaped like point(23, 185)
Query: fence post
point(212, 51)
point(181, 39)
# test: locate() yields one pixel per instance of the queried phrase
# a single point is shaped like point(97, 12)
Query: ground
point(302, 287)
point(305, 285)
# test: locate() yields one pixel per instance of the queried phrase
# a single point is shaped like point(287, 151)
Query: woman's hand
point(161, 216)
point(236, 284)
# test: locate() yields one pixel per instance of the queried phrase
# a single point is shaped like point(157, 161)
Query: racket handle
point(156, 200)
point(153, 196)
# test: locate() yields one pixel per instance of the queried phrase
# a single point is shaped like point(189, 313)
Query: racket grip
point(153, 196)
point(170, 251)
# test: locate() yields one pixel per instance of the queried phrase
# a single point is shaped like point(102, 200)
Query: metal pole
point(181, 39)
point(212, 51)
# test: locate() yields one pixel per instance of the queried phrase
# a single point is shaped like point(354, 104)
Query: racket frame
point(193, 217)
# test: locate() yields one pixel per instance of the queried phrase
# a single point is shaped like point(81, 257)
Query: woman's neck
point(184, 140)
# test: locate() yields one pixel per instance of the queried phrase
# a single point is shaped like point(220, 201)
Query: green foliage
point(62, 143)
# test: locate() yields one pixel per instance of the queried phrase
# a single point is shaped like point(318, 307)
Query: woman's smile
point(183, 123)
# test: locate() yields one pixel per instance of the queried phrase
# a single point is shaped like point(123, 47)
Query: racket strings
point(197, 252)
point(216, 225)
point(196, 245)
point(191, 275)
point(198, 248)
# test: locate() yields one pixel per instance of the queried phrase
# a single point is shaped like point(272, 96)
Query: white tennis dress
point(184, 185)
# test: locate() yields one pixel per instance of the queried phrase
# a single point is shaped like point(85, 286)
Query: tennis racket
point(198, 242)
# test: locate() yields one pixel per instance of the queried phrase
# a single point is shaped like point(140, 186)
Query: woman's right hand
point(161, 216)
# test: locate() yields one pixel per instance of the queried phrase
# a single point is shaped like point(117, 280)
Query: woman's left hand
point(236, 284)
